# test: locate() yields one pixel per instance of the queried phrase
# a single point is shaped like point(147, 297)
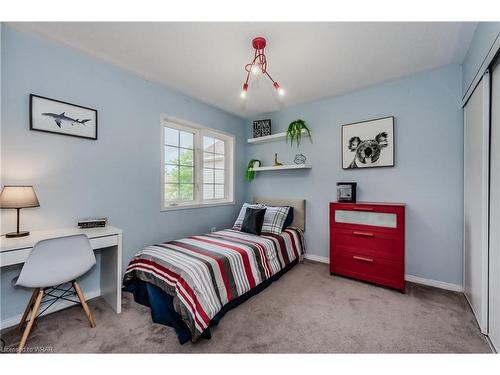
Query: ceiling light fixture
point(258, 65)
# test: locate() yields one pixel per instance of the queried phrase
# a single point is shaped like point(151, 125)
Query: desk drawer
point(8, 258)
point(107, 241)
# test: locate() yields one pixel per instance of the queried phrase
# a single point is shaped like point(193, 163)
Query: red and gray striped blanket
point(203, 273)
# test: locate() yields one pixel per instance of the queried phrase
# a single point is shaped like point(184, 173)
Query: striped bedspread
point(203, 273)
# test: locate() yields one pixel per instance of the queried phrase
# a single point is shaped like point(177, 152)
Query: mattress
point(204, 274)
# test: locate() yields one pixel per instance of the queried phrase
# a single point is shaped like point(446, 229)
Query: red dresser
point(367, 242)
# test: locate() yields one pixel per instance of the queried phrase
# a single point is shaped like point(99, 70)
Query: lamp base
point(17, 234)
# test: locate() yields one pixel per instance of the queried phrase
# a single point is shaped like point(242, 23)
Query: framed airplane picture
point(55, 116)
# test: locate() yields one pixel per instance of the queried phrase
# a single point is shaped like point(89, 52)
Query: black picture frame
point(34, 128)
point(393, 143)
point(353, 187)
point(261, 128)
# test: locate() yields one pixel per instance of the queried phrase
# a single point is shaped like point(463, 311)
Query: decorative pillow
point(241, 215)
point(289, 219)
point(274, 219)
point(252, 222)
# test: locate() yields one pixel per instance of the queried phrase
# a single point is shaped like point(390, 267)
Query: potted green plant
point(295, 129)
point(249, 173)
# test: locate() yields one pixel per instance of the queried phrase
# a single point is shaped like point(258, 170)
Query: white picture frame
point(368, 144)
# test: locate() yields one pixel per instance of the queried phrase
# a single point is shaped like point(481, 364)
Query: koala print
point(368, 151)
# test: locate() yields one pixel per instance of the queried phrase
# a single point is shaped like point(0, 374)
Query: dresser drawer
point(364, 217)
point(376, 244)
point(373, 269)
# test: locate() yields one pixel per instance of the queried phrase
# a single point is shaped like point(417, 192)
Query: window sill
point(197, 205)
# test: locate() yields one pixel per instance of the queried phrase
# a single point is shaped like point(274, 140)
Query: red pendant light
point(259, 65)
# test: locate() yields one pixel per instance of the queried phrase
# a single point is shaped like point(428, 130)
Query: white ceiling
point(309, 60)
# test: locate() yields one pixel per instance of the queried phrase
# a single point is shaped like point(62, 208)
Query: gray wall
point(484, 37)
point(428, 175)
point(119, 174)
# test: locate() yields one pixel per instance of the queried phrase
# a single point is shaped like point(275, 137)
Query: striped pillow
point(274, 219)
point(241, 216)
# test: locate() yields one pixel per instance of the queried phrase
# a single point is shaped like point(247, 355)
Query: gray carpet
point(306, 311)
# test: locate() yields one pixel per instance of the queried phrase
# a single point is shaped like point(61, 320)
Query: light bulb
point(243, 93)
point(278, 88)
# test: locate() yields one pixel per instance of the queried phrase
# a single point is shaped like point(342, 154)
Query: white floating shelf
point(270, 138)
point(282, 167)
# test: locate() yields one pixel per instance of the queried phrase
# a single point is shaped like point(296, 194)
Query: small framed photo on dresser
point(346, 192)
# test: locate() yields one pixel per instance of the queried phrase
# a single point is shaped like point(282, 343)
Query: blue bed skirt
point(162, 307)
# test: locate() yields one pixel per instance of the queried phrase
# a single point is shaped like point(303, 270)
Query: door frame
point(495, 64)
point(482, 320)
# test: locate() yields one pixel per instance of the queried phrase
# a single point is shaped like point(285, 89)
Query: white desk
point(16, 251)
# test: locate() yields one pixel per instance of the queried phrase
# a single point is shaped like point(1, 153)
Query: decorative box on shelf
point(261, 128)
point(367, 242)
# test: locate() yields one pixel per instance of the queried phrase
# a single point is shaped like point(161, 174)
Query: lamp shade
point(18, 197)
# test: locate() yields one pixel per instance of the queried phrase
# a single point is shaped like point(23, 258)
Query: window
point(179, 165)
point(213, 168)
point(197, 166)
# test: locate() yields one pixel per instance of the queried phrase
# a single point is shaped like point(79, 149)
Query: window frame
point(199, 132)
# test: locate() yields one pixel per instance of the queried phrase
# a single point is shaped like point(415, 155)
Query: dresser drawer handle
point(362, 208)
point(364, 234)
point(363, 259)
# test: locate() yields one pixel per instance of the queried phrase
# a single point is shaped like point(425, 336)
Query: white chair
point(52, 263)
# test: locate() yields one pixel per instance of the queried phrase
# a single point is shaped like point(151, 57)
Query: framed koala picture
point(368, 144)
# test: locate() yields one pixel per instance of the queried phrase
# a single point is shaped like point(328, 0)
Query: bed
point(191, 283)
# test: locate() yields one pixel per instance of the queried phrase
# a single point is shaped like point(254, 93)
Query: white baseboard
point(434, 283)
point(317, 258)
point(411, 278)
point(59, 305)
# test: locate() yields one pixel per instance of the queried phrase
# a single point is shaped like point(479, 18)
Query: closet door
point(494, 263)
point(476, 176)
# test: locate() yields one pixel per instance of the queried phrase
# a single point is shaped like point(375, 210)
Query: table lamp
point(18, 197)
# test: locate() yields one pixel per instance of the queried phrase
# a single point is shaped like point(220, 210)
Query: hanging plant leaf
point(249, 173)
point(294, 132)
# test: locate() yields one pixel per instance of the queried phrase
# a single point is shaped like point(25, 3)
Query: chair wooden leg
point(34, 311)
point(81, 297)
point(28, 308)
